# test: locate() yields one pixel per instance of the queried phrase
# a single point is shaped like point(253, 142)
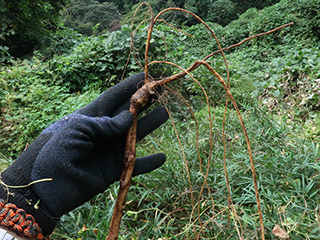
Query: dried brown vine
point(140, 98)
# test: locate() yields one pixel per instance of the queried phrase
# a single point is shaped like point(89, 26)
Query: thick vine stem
point(138, 100)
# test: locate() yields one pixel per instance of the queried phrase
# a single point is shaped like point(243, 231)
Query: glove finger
point(120, 124)
point(148, 164)
point(114, 97)
point(151, 122)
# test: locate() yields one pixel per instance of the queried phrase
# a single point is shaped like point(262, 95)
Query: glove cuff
point(18, 221)
point(41, 214)
point(18, 174)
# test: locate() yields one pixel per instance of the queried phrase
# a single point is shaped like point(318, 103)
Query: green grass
point(159, 204)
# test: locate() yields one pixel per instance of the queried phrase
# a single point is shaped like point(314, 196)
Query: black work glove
point(82, 153)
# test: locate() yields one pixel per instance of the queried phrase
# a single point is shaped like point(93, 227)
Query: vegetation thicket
point(274, 79)
point(27, 24)
point(84, 15)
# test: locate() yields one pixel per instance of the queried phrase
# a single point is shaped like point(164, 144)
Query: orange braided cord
point(17, 220)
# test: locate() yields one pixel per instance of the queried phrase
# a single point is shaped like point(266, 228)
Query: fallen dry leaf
point(279, 232)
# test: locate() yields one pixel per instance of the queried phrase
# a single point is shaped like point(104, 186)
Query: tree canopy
point(217, 11)
point(26, 24)
point(84, 15)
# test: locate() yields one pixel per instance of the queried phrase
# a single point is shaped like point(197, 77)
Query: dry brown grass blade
point(225, 160)
point(247, 140)
point(205, 176)
point(174, 211)
point(177, 135)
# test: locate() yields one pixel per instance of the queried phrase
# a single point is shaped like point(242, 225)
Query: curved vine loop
point(140, 98)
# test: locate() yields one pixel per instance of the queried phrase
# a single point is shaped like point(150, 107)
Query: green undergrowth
point(275, 81)
point(159, 204)
point(30, 102)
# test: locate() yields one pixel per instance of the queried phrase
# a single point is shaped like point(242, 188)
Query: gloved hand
point(82, 153)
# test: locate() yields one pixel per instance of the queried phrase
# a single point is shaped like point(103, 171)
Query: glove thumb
point(148, 164)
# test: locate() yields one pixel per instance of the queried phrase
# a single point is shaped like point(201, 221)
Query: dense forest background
point(27, 24)
point(58, 55)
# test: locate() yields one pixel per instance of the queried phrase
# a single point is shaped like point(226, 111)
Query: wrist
point(27, 200)
point(6, 233)
point(16, 220)
point(15, 186)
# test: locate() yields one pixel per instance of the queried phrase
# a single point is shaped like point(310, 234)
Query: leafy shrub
point(218, 11)
point(303, 13)
point(101, 61)
point(37, 92)
point(30, 102)
point(62, 42)
point(249, 63)
point(293, 80)
point(85, 14)
point(5, 57)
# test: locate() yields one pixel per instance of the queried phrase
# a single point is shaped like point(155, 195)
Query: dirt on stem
point(138, 101)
